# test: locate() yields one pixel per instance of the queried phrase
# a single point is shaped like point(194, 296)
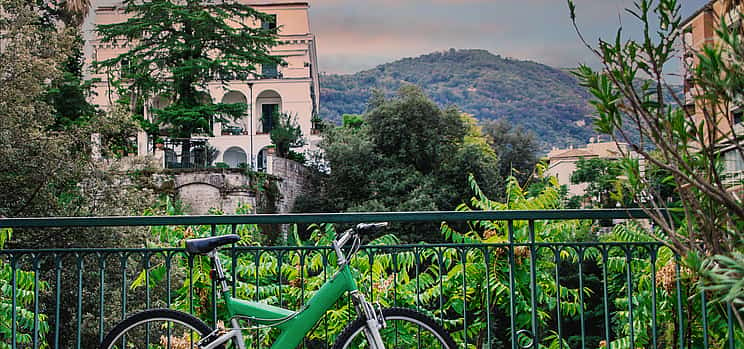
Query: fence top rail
point(306, 218)
point(374, 248)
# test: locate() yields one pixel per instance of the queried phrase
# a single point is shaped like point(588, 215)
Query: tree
point(404, 154)
point(285, 133)
point(604, 189)
point(516, 148)
point(69, 92)
point(352, 120)
point(37, 167)
point(688, 145)
point(177, 47)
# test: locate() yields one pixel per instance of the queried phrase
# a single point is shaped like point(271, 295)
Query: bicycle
point(375, 328)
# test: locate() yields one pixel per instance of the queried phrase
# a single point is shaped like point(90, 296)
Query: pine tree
point(176, 47)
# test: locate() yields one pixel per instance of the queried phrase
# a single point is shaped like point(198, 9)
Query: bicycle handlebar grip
point(363, 228)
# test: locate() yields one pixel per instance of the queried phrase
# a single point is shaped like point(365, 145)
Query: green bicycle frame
point(293, 331)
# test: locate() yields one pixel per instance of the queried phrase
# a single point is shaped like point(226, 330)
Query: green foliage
point(515, 147)
point(214, 40)
point(688, 143)
point(545, 100)
point(494, 282)
point(661, 274)
point(26, 289)
point(37, 166)
point(297, 157)
point(354, 121)
point(604, 189)
point(68, 94)
point(285, 133)
point(722, 275)
point(406, 155)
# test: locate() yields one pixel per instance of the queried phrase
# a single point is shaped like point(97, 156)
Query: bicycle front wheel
point(405, 328)
point(156, 329)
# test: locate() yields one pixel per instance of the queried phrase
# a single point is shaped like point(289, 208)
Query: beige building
point(562, 162)
point(698, 31)
point(291, 87)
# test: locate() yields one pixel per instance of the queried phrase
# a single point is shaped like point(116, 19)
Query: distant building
point(292, 87)
point(562, 162)
point(700, 30)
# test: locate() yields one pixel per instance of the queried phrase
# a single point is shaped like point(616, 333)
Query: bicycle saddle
point(205, 245)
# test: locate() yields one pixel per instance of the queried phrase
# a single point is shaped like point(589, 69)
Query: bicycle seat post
point(218, 273)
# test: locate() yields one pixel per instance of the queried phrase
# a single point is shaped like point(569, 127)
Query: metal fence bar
point(487, 266)
point(80, 266)
point(13, 295)
point(629, 279)
point(680, 314)
point(605, 296)
point(580, 253)
point(307, 218)
point(533, 286)
point(57, 294)
point(557, 255)
point(653, 255)
point(512, 310)
point(36, 301)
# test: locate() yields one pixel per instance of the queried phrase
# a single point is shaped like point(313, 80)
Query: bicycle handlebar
point(363, 228)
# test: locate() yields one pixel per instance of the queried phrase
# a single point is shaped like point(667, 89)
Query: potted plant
point(117, 150)
point(316, 124)
point(159, 143)
point(132, 150)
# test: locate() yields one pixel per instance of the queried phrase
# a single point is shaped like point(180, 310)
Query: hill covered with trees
point(547, 100)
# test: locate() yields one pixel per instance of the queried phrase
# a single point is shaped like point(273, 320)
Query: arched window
point(234, 157)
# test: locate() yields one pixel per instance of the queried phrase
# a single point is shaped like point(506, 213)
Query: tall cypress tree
point(176, 47)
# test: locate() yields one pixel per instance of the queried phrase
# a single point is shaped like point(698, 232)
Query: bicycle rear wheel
point(156, 329)
point(405, 328)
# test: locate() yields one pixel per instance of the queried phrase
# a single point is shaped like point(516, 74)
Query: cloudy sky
point(359, 34)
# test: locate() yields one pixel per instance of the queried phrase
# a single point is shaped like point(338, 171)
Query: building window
point(269, 71)
point(267, 116)
point(690, 108)
point(734, 167)
point(270, 23)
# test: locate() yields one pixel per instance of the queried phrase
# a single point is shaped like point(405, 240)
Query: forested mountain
point(546, 100)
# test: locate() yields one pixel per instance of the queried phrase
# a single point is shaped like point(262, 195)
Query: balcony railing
point(524, 289)
point(187, 153)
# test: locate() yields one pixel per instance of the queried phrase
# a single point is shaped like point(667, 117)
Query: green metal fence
point(525, 291)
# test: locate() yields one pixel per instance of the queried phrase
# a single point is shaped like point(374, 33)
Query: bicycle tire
point(153, 315)
point(353, 333)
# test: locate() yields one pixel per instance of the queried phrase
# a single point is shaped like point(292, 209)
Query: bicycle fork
point(372, 317)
